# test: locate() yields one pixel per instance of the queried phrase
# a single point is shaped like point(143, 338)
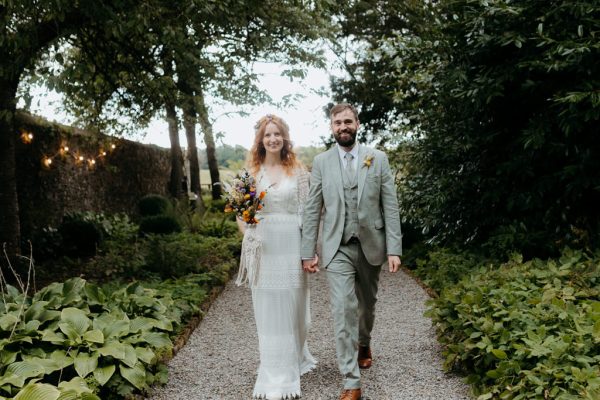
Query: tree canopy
point(496, 105)
point(133, 57)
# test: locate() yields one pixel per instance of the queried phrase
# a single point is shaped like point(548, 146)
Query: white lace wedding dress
point(280, 294)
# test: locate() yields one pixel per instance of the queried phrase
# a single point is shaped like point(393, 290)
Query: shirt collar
point(343, 152)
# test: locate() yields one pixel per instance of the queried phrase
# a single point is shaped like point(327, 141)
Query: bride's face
point(272, 140)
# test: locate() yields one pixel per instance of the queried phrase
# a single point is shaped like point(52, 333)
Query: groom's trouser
point(353, 290)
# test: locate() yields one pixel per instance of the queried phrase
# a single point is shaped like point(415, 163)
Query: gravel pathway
point(221, 357)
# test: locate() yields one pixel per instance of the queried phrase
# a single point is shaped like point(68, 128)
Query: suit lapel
point(336, 169)
point(362, 170)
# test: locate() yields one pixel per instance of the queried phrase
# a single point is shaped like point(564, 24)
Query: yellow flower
point(368, 160)
point(247, 197)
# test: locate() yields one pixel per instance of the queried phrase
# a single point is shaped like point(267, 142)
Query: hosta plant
point(76, 330)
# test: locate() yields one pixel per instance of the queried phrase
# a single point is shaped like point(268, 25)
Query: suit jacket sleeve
point(312, 212)
point(302, 191)
point(391, 213)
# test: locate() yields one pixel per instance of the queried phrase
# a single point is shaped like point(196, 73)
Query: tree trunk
point(176, 179)
point(209, 141)
point(175, 182)
point(189, 123)
point(10, 230)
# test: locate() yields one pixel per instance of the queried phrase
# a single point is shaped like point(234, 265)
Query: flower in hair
point(268, 118)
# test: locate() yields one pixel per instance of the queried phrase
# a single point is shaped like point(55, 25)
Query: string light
point(26, 137)
point(64, 149)
point(80, 159)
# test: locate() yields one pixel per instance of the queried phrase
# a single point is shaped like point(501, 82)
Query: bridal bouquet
point(242, 197)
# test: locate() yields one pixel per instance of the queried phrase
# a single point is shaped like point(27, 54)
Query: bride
point(280, 291)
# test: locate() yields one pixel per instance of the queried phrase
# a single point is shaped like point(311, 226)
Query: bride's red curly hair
point(258, 152)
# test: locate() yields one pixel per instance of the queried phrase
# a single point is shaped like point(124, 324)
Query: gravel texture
point(221, 358)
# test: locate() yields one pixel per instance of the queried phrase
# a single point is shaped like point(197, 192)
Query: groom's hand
point(311, 265)
point(394, 263)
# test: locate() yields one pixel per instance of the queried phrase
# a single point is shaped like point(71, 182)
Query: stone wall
point(114, 183)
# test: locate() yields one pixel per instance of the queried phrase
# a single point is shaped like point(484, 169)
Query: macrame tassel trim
point(250, 258)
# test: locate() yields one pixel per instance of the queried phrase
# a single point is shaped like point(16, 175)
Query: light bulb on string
point(26, 137)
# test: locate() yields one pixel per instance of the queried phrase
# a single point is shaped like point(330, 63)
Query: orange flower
point(261, 195)
point(228, 208)
point(260, 207)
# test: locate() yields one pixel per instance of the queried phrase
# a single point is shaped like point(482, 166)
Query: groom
point(354, 187)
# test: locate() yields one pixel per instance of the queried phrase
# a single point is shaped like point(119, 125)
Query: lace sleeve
point(303, 188)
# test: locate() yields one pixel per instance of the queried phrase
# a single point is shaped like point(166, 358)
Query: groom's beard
point(346, 140)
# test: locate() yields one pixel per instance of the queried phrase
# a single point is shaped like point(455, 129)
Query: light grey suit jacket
point(378, 215)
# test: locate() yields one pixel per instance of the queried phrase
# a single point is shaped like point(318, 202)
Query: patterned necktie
point(349, 170)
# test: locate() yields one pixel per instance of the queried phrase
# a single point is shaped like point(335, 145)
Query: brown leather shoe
point(350, 394)
point(365, 359)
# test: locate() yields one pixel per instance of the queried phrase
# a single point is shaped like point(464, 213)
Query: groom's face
point(344, 126)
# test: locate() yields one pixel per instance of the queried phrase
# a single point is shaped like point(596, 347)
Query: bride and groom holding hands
point(351, 191)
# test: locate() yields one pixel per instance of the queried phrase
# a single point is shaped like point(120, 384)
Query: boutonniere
point(368, 160)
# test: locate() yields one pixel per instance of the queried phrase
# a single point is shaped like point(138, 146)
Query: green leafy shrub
point(80, 237)
point(515, 237)
point(154, 204)
point(113, 226)
point(116, 230)
point(75, 389)
point(216, 206)
point(159, 224)
point(443, 267)
point(180, 254)
point(216, 228)
point(75, 329)
point(46, 244)
point(526, 330)
point(190, 291)
point(118, 259)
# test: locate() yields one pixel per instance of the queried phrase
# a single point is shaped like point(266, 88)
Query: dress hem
point(287, 396)
point(308, 368)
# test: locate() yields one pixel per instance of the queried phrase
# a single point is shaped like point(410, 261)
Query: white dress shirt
point(354, 152)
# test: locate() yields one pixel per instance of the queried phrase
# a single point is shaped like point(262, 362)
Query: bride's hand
point(311, 265)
